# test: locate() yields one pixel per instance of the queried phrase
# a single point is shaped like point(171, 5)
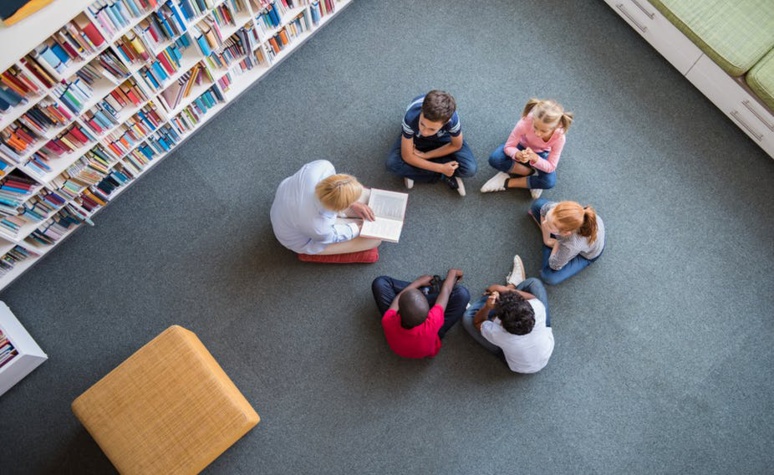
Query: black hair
point(413, 308)
point(515, 313)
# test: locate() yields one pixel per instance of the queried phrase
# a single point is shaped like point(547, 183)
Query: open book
point(390, 210)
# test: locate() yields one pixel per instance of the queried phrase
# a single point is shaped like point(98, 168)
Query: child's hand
point(424, 280)
point(454, 273)
point(532, 157)
point(492, 300)
point(448, 168)
point(522, 156)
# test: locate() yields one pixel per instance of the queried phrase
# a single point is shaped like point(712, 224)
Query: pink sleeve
point(549, 164)
point(513, 140)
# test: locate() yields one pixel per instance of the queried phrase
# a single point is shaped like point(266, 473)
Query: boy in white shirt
point(512, 321)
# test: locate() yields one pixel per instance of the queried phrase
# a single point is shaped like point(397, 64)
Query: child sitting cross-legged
point(417, 315)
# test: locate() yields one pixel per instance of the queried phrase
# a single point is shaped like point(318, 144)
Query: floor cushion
point(168, 409)
point(363, 257)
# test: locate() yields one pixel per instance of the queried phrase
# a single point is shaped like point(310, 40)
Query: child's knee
point(544, 182)
point(549, 277)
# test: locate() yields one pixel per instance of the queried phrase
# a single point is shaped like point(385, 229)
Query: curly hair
point(515, 313)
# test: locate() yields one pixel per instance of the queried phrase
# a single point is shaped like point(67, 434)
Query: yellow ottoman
point(167, 409)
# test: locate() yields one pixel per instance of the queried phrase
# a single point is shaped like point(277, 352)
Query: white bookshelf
point(29, 356)
point(219, 86)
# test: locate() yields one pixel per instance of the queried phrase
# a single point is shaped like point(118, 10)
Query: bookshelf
point(93, 94)
point(19, 354)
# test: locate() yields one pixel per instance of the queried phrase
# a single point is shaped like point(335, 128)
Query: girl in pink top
point(529, 157)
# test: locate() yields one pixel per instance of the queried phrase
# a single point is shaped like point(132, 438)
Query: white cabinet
point(735, 101)
point(659, 32)
point(29, 355)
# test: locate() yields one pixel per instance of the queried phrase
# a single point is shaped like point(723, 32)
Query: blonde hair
point(549, 112)
point(570, 216)
point(338, 192)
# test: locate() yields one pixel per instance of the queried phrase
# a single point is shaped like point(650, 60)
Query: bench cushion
point(735, 34)
point(761, 79)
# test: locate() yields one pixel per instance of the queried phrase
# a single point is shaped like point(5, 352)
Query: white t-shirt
point(524, 353)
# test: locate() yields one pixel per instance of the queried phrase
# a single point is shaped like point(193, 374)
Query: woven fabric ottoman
point(167, 409)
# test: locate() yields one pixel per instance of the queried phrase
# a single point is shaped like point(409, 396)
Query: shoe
point(517, 275)
point(460, 186)
point(435, 284)
point(496, 183)
point(408, 183)
point(535, 192)
point(454, 183)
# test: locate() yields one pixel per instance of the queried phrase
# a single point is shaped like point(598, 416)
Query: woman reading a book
point(317, 211)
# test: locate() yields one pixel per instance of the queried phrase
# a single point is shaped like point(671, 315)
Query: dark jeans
point(386, 288)
point(576, 264)
point(464, 156)
point(531, 285)
point(500, 161)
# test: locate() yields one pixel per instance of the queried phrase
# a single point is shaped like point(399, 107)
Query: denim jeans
point(531, 285)
point(464, 156)
point(386, 288)
point(576, 264)
point(502, 162)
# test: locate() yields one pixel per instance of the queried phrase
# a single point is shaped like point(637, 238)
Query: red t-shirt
point(419, 342)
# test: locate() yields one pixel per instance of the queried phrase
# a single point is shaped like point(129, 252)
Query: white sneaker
point(535, 192)
point(496, 183)
point(517, 275)
point(408, 183)
point(460, 186)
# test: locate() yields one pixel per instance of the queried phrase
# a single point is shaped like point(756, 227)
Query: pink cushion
point(363, 257)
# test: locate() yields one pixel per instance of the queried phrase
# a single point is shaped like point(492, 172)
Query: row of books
point(76, 41)
point(225, 13)
point(20, 82)
point(14, 190)
point(7, 350)
point(116, 15)
point(161, 26)
point(73, 138)
point(45, 116)
point(54, 228)
point(207, 36)
point(195, 8)
point(166, 64)
point(193, 113)
point(233, 50)
point(172, 96)
point(287, 34)
point(10, 98)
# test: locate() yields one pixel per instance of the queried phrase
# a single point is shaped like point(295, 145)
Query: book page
point(388, 204)
point(385, 229)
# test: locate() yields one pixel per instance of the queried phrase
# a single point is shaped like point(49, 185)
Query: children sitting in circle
point(529, 157)
point(512, 321)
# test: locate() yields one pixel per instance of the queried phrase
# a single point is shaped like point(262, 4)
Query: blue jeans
point(576, 264)
point(386, 288)
point(500, 161)
point(464, 156)
point(531, 285)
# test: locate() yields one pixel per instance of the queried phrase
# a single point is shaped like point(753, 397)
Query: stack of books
point(76, 41)
point(117, 15)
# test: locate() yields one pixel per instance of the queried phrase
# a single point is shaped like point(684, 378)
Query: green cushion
point(761, 79)
point(734, 33)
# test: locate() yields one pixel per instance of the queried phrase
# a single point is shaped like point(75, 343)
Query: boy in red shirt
point(415, 316)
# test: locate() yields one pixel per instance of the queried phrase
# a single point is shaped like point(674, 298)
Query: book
point(389, 207)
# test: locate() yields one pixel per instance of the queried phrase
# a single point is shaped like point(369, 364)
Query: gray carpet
point(664, 355)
